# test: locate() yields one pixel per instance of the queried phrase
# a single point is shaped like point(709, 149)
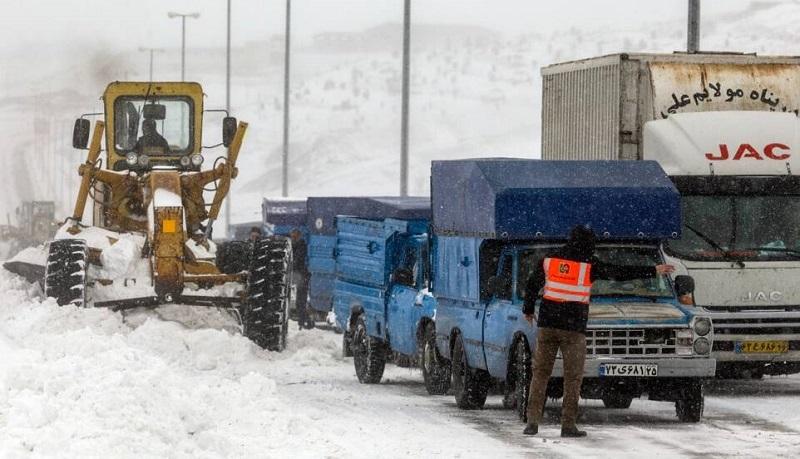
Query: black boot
point(572, 432)
point(531, 429)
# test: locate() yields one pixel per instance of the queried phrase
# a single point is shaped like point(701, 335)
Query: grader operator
point(150, 241)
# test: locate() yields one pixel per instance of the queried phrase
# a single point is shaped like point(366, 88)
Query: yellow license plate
point(762, 347)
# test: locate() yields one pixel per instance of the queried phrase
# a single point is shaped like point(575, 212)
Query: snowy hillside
point(475, 92)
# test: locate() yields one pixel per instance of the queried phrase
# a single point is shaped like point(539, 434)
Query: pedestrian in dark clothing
point(300, 278)
point(564, 282)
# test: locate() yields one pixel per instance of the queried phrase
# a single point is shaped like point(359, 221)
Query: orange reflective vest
point(567, 280)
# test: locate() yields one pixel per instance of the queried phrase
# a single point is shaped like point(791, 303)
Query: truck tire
point(234, 256)
point(65, 273)
point(470, 386)
point(520, 378)
point(369, 354)
point(265, 313)
point(690, 407)
point(435, 368)
point(616, 400)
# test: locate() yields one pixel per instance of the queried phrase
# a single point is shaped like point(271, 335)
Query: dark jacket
point(572, 316)
point(299, 255)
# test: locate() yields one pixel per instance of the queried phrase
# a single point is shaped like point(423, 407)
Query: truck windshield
point(744, 228)
point(626, 255)
point(133, 129)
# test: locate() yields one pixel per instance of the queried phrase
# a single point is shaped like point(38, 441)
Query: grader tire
point(234, 256)
point(265, 314)
point(65, 273)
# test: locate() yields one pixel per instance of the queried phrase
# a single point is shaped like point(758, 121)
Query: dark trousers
point(300, 281)
point(573, 351)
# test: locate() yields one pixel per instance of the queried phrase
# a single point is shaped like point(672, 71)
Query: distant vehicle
point(35, 224)
point(725, 129)
point(495, 219)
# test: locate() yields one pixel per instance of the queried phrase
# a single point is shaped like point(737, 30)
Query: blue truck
point(322, 213)
point(495, 219)
point(280, 216)
point(382, 297)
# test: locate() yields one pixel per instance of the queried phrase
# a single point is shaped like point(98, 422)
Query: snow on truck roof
point(322, 211)
point(524, 199)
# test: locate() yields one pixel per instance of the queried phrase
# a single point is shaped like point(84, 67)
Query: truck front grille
point(759, 326)
point(630, 342)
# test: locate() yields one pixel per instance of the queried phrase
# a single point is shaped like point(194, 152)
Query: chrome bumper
point(695, 367)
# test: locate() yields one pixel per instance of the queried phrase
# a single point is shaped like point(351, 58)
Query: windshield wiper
point(725, 253)
point(776, 249)
point(653, 298)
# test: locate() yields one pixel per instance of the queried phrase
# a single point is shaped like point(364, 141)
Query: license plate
point(761, 347)
point(629, 369)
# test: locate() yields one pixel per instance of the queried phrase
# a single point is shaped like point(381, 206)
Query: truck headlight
point(185, 161)
point(131, 159)
point(197, 159)
point(702, 346)
point(702, 326)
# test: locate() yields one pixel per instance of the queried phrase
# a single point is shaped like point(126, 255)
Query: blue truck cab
point(322, 214)
point(280, 216)
point(495, 220)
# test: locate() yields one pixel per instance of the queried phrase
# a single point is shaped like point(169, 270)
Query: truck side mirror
point(80, 134)
point(229, 125)
point(684, 288)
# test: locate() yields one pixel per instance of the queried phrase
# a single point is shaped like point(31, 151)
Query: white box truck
point(725, 128)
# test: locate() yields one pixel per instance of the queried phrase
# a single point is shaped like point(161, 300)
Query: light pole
point(183, 17)
point(693, 29)
point(404, 114)
point(285, 167)
point(228, 108)
point(151, 50)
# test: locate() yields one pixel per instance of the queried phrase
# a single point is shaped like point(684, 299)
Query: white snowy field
point(180, 382)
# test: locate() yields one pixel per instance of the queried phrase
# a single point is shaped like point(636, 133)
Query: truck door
point(500, 318)
point(405, 302)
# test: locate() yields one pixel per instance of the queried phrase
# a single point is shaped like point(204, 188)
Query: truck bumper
point(698, 367)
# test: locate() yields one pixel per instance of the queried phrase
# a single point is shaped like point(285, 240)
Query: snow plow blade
point(31, 272)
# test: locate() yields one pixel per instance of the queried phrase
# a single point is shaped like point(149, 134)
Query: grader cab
point(150, 241)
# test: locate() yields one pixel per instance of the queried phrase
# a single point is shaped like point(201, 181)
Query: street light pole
point(183, 37)
point(228, 109)
point(151, 50)
point(285, 167)
point(404, 114)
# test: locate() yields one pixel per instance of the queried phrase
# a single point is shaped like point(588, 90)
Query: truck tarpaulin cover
point(290, 212)
point(322, 211)
point(523, 199)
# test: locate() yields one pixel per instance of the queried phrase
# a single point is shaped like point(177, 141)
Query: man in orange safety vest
point(565, 281)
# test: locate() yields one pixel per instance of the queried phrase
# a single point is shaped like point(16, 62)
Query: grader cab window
point(156, 126)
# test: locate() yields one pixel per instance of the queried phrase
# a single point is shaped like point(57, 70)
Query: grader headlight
point(197, 160)
point(131, 158)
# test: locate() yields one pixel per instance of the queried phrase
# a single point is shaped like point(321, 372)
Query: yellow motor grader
point(150, 242)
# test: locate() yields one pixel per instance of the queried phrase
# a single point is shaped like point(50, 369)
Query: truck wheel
point(265, 313)
point(614, 399)
point(521, 378)
point(690, 408)
point(435, 369)
point(234, 256)
point(369, 354)
point(347, 344)
point(65, 273)
point(470, 386)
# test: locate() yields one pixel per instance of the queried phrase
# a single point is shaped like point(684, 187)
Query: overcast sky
point(134, 23)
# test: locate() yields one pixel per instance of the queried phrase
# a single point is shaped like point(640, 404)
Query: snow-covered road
point(180, 382)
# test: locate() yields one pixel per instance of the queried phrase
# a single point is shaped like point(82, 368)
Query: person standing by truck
point(300, 278)
point(564, 282)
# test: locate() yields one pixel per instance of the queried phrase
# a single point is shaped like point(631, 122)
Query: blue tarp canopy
point(502, 198)
point(322, 211)
point(284, 211)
